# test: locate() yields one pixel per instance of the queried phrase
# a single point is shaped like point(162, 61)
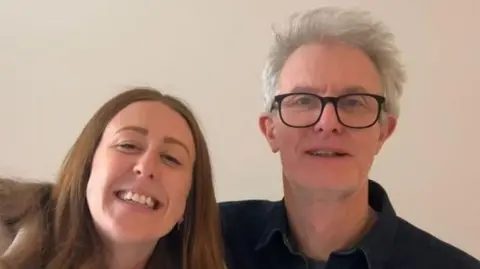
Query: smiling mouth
point(325, 153)
point(139, 199)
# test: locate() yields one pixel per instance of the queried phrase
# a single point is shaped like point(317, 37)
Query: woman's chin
point(131, 232)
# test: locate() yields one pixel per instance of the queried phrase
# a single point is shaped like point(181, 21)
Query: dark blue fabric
point(256, 236)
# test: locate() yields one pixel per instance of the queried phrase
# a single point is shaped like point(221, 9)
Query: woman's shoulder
point(18, 198)
point(19, 186)
point(6, 238)
point(18, 193)
point(23, 206)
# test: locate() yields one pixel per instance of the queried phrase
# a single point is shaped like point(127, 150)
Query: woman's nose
point(145, 167)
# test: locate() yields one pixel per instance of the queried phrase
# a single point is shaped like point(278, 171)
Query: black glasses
point(356, 110)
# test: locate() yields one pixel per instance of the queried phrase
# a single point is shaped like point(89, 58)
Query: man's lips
point(327, 152)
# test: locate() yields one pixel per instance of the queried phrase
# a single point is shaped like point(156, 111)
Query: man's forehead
point(331, 68)
point(310, 82)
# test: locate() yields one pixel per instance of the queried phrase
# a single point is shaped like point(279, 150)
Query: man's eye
point(305, 101)
point(351, 102)
point(301, 101)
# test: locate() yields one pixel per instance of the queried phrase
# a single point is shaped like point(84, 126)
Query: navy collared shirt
point(256, 236)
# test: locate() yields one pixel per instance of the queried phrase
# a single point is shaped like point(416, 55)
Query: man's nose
point(145, 166)
point(328, 121)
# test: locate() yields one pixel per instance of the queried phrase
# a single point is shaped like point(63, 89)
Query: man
point(332, 87)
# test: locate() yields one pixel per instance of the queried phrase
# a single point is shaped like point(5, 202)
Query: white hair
point(349, 26)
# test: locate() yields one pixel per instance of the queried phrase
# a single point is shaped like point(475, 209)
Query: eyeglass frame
point(325, 100)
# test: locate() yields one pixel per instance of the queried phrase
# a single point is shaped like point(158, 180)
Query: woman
point(135, 191)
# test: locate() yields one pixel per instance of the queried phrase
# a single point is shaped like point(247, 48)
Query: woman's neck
point(129, 256)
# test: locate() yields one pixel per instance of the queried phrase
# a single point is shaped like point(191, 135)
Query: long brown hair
point(72, 242)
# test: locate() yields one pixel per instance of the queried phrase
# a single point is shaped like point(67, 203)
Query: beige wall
point(60, 60)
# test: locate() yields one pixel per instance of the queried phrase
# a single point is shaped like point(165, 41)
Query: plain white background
point(60, 60)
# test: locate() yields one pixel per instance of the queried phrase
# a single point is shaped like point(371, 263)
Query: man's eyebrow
point(306, 89)
point(355, 89)
point(346, 90)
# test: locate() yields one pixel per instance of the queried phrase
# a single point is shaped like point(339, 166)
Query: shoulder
point(245, 212)
point(246, 207)
point(245, 219)
point(244, 224)
point(427, 249)
point(22, 210)
point(17, 197)
point(6, 237)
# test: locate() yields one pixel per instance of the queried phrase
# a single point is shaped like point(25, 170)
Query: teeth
point(138, 198)
point(324, 153)
point(149, 201)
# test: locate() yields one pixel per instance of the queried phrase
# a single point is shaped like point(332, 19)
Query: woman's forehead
point(153, 119)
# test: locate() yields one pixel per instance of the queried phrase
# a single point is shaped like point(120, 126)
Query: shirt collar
point(377, 244)
point(277, 223)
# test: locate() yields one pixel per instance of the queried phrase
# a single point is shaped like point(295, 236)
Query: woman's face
point(141, 174)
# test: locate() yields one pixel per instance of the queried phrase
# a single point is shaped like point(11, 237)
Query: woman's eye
point(171, 159)
point(127, 146)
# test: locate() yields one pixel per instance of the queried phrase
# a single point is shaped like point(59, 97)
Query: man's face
point(327, 70)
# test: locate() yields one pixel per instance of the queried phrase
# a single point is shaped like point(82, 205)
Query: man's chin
point(331, 189)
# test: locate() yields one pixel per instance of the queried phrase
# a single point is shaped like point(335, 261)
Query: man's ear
point(387, 127)
point(267, 128)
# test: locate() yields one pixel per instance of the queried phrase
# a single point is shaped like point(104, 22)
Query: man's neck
point(322, 225)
